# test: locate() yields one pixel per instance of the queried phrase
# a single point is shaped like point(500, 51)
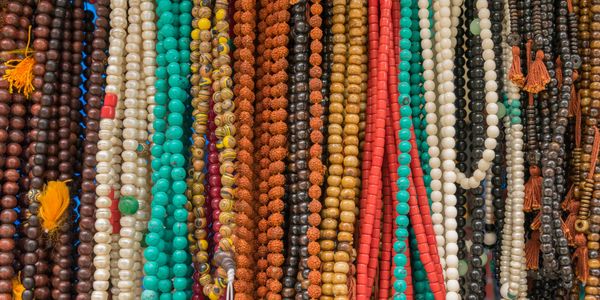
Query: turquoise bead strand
point(168, 268)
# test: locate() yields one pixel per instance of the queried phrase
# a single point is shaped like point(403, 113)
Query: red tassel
point(515, 74)
point(580, 258)
point(532, 251)
point(533, 190)
point(568, 199)
point(537, 76)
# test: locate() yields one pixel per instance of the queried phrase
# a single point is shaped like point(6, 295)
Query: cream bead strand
point(431, 117)
point(108, 146)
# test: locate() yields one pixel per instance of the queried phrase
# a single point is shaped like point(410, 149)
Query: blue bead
point(162, 185)
point(161, 199)
point(404, 146)
point(152, 238)
point(179, 186)
point(404, 134)
point(164, 286)
point(185, 6)
point(405, 111)
point(160, 98)
point(172, 55)
point(184, 55)
point(176, 105)
point(150, 283)
point(405, 54)
point(399, 296)
point(180, 243)
point(174, 132)
point(179, 256)
point(175, 119)
point(399, 247)
point(400, 286)
point(151, 252)
point(177, 160)
point(159, 212)
point(406, 12)
point(180, 228)
point(403, 196)
point(179, 200)
point(178, 174)
point(150, 268)
point(402, 208)
point(401, 233)
point(404, 158)
point(156, 151)
point(175, 147)
point(404, 65)
point(148, 294)
point(166, 296)
point(403, 171)
point(402, 221)
point(155, 225)
point(405, 122)
point(404, 43)
point(403, 183)
point(181, 215)
point(400, 273)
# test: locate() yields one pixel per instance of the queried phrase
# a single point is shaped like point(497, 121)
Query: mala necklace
point(166, 253)
point(96, 41)
point(16, 17)
point(298, 145)
point(273, 149)
point(201, 67)
point(244, 76)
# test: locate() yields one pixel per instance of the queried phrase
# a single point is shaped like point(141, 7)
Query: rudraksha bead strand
point(244, 76)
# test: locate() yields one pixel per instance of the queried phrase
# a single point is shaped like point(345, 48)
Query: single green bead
point(152, 238)
point(515, 112)
point(178, 174)
point(185, 69)
point(165, 172)
point(404, 134)
point(185, 6)
point(160, 111)
point(403, 77)
point(160, 49)
point(128, 205)
point(403, 171)
point(163, 272)
point(501, 110)
point(403, 183)
point(154, 177)
point(405, 3)
point(404, 65)
point(462, 267)
point(165, 157)
point(399, 296)
point(154, 225)
point(515, 120)
point(184, 55)
point(156, 151)
point(405, 54)
point(185, 18)
point(170, 43)
point(175, 119)
point(179, 186)
point(175, 146)
point(167, 30)
point(406, 12)
point(180, 295)
point(516, 103)
point(174, 132)
point(474, 27)
point(404, 43)
point(173, 69)
point(404, 158)
point(405, 111)
point(420, 274)
point(400, 285)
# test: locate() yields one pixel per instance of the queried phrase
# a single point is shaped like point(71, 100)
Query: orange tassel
point(568, 199)
point(559, 73)
point(532, 251)
point(537, 75)
point(533, 190)
point(19, 72)
point(515, 74)
point(54, 201)
point(537, 221)
point(569, 228)
point(580, 257)
point(17, 287)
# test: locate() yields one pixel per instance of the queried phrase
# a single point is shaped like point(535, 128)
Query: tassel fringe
point(18, 288)
point(515, 74)
point(533, 190)
point(54, 201)
point(532, 251)
point(538, 75)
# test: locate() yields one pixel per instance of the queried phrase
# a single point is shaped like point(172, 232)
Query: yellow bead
point(196, 34)
point(220, 15)
point(204, 24)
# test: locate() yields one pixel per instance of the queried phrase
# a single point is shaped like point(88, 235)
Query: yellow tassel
point(19, 72)
point(54, 202)
point(17, 288)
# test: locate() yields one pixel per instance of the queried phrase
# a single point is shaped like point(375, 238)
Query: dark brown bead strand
point(95, 48)
point(16, 20)
point(33, 260)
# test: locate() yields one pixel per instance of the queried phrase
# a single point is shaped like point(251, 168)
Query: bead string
point(244, 29)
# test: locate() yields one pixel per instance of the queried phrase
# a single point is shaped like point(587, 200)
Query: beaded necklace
point(16, 18)
point(297, 181)
point(96, 40)
point(315, 165)
point(167, 242)
point(201, 67)
point(244, 76)
point(273, 139)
